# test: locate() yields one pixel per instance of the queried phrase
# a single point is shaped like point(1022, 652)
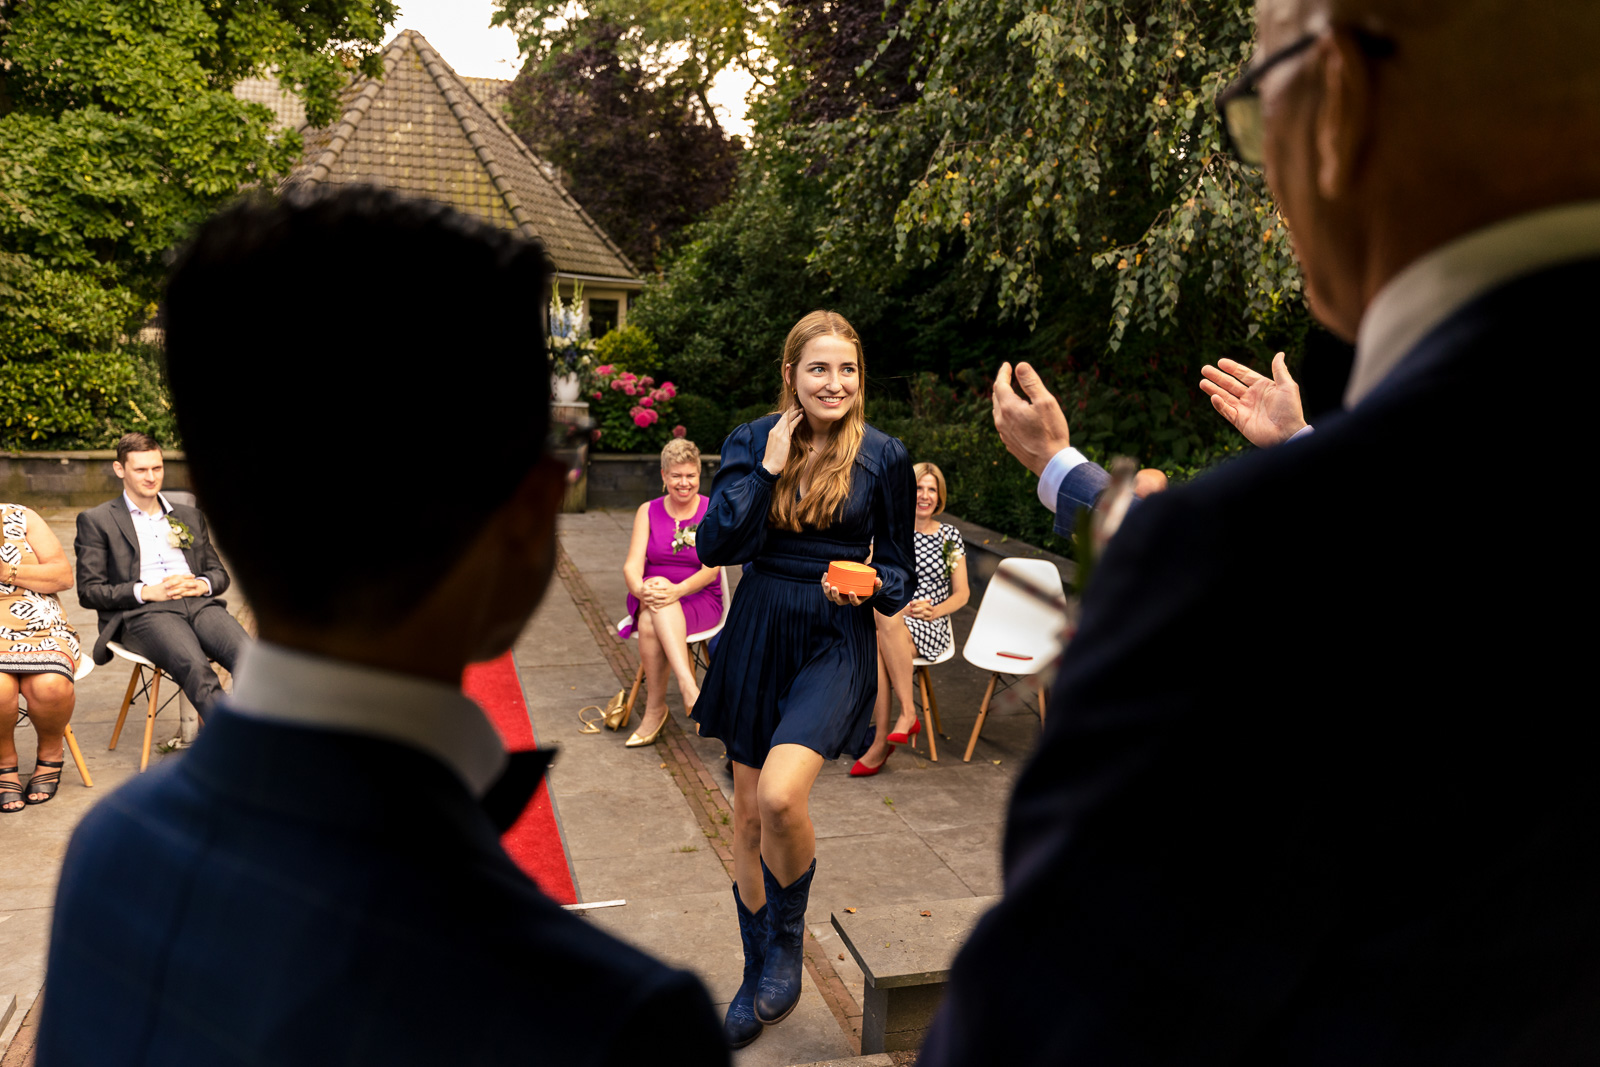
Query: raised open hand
point(778, 439)
point(1031, 425)
point(1266, 410)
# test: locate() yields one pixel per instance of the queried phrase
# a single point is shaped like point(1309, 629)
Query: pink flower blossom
point(670, 389)
point(642, 419)
point(654, 418)
point(597, 434)
point(617, 383)
point(628, 376)
point(679, 431)
point(604, 369)
point(598, 394)
point(630, 390)
point(646, 402)
point(647, 380)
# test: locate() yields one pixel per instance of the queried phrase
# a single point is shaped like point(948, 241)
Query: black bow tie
point(510, 794)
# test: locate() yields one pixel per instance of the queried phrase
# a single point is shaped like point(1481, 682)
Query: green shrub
point(80, 400)
point(634, 413)
point(705, 421)
point(629, 347)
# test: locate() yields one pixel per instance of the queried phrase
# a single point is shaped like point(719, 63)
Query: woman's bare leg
point(655, 672)
point(747, 837)
point(897, 651)
point(673, 631)
point(788, 840)
point(50, 701)
point(8, 740)
point(878, 751)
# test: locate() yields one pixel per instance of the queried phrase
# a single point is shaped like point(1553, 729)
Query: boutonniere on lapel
point(682, 536)
point(178, 535)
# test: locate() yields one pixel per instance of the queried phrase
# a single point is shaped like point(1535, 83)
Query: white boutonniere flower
point(178, 535)
point(682, 536)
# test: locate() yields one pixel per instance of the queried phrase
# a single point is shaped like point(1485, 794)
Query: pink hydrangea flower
point(642, 419)
point(598, 394)
point(654, 418)
point(670, 389)
point(647, 380)
point(617, 383)
point(646, 402)
point(604, 369)
point(597, 434)
point(629, 376)
point(679, 431)
point(630, 390)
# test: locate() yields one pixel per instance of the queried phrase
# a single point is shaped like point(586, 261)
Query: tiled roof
point(420, 131)
point(491, 91)
point(287, 110)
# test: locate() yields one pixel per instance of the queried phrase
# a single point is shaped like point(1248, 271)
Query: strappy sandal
point(46, 782)
point(9, 790)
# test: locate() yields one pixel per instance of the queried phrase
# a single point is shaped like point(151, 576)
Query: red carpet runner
point(534, 842)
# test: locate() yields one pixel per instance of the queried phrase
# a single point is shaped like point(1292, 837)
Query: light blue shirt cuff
point(1055, 472)
point(1301, 432)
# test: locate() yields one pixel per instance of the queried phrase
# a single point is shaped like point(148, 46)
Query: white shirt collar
point(1445, 280)
point(283, 685)
point(166, 507)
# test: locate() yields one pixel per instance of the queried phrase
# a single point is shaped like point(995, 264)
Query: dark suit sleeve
point(97, 589)
point(1165, 879)
point(735, 523)
point(671, 1023)
point(894, 508)
point(209, 563)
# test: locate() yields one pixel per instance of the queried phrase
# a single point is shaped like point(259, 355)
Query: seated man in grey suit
point(148, 567)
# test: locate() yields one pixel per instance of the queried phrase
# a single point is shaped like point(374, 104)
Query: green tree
point(118, 134)
point(1070, 137)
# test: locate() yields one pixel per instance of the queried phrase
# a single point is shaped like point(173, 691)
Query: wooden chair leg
point(150, 718)
point(77, 758)
point(927, 715)
point(1041, 703)
point(983, 713)
point(933, 703)
point(638, 677)
point(127, 698)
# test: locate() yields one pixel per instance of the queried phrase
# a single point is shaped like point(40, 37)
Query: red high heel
point(861, 770)
point(905, 738)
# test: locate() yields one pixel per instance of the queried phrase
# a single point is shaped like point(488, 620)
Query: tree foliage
point(684, 43)
point(1077, 136)
point(118, 134)
point(640, 157)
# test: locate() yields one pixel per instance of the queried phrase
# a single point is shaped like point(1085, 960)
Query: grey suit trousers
point(182, 637)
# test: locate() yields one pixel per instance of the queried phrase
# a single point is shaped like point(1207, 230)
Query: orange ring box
point(847, 577)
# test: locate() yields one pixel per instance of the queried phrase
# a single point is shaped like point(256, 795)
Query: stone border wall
point(626, 481)
point(73, 479)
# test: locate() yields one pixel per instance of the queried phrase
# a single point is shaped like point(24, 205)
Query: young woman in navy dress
point(794, 681)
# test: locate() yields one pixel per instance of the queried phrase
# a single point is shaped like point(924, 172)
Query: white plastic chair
point(139, 686)
point(1018, 628)
point(699, 643)
point(85, 666)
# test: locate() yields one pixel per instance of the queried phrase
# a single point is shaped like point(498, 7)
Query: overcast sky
point(460, 31)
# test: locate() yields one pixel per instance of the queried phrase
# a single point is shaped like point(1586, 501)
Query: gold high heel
point(639, 741)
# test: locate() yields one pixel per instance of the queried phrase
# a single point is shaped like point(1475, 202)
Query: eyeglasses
point(1240, 103)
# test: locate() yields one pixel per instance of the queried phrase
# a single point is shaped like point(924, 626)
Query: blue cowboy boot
point(741, 1025)
point(779, 990)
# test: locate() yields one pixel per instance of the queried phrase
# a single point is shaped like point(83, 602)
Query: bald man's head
point(1412, 122)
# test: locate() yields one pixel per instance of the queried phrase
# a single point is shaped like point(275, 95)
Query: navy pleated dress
point(792, 667)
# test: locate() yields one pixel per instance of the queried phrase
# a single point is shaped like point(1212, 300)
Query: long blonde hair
point(830, 478)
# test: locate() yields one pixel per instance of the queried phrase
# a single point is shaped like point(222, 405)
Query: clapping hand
point(1266, 410)
point(1031, 425)
point(846, 599)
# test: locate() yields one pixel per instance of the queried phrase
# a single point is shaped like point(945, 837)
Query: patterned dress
point(934, 568)
point(34, 635)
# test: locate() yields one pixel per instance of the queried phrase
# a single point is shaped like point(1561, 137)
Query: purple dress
point(701, 610)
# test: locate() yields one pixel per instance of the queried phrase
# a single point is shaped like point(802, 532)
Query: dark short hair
point(373, 368)
point(135, 442)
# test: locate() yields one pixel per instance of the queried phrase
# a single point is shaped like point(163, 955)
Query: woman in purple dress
point(670, 595)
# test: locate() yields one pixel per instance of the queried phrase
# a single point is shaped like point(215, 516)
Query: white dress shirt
point(1428, 292)
point(279, 684)
point(158, 560)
